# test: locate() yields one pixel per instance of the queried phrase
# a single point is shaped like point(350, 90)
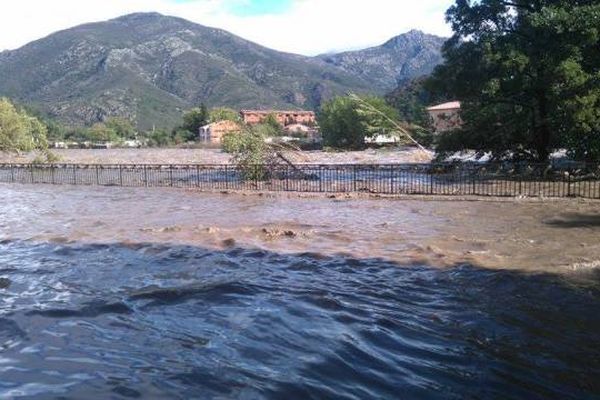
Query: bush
point(158, 138)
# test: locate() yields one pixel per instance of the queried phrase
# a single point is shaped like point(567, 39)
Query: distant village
point(297, 125)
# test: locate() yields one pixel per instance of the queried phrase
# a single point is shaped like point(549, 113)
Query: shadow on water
point(101, 321)
point(576, 220)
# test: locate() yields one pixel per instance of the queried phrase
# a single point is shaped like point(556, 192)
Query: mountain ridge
point(406, 56)
point(149, 67)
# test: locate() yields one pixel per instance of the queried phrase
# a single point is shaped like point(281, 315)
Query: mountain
point(404, 57)
point(149, 67)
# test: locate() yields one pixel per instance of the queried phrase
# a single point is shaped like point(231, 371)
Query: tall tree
point(194, 119)
point(411, 98)
point(528, 75)
point(347, 121)
point(20, 131)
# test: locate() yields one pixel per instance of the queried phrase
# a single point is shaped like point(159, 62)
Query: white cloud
point(310, 27)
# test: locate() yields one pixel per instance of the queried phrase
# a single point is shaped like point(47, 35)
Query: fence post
point(120, 175)
point(145, 175)
point(569, 185)
point(171, 175)
point(320, 178)
point(97, 175)
point(226, 178)
point(391, 179)
point(430, 168)
point(52, 173)
point(31, 170)
point(197, 176)
point(520, 185)
point(354, 178)
point(74, 175)
point(287, 178)
point(12, 173)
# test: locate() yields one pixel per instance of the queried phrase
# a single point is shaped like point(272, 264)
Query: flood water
point(166, 294)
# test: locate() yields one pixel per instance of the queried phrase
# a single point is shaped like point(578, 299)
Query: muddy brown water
point(548, 236)
point(217, 156)
point(124, 293)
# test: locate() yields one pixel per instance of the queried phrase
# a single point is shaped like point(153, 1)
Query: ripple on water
point(156, 321)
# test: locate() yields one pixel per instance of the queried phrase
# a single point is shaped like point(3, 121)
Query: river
point(136, 293)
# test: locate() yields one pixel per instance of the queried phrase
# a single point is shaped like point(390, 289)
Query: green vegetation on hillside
point(528, 76)
point(148, 68)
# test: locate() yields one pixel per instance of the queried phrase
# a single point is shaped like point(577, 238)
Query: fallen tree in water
point(258, 159)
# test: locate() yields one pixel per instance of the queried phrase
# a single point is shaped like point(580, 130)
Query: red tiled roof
point(276, 112)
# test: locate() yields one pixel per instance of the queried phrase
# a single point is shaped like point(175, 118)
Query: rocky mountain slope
point(149, 67)
point(403, 57)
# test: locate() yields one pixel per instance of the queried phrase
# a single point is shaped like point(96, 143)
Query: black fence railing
point(468, 179)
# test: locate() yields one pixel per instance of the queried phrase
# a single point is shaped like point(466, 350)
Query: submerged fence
point(468, 179)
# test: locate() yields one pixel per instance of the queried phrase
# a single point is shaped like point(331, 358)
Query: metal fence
point(467, 179)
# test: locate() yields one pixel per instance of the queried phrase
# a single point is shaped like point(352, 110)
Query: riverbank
point(217, 156)
point(546, 236)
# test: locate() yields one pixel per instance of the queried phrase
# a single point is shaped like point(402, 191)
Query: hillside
point(403, 57)
point(149, 67)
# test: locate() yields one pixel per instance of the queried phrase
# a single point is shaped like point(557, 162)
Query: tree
point(20, 132)
point(122, 127)
point(101, 132)
point(194, 119)
point(250, 153)
point(345, 126)
point(272, 122)
point(158, 138)
point(255, 156)
point(411, 99)
point(224, 114)
point(341, 125)
point(528, 75)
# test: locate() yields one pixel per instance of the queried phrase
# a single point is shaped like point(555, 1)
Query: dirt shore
point(217, 156)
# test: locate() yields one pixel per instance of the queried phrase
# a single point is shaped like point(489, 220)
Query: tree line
point(527, 74)
point(23, 129)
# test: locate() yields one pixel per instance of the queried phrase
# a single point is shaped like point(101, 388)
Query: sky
point(306, 27)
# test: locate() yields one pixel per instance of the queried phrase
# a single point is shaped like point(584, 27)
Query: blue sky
point(248, 8)
point(300, 26)
point(260, 7)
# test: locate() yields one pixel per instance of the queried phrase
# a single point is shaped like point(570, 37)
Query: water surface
point(132, 294)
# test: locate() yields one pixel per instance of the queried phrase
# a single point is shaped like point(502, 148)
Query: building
point(307, 133)
point(446, 116)
point(213, 133)
point(383, 139)
point(285, 118)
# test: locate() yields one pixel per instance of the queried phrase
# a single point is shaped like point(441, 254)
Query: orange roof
point(453, 105)
point(276, 112)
